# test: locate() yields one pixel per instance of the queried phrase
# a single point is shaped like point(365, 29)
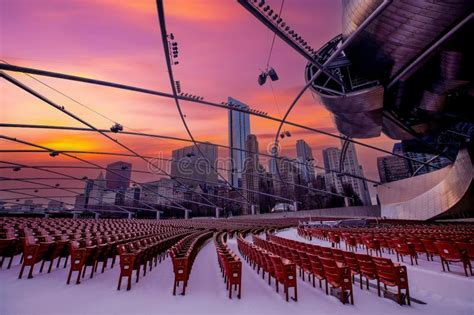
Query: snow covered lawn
point(48, 293)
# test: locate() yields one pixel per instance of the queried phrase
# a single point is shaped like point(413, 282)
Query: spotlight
point(272, 74)
point(262, 78)
point(287, 133)
point(53, 153)
point(16, 169)
point(116, 128)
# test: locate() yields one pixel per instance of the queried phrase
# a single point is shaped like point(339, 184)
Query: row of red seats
point(145, 252)
point(411, 246)
point(326, 268)
point(90, 250)
point(281, 269)
point(183, 255)
point(336, 266)
point(229, 263)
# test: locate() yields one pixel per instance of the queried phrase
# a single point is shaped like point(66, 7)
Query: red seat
point(430, 248)
point(450, 252)
point(338, 277)
point(351, 262)
point(392, 275)
point(285, 273)
point(367, 267)
point(403, 248)
point(34, 252)
point(317, 268)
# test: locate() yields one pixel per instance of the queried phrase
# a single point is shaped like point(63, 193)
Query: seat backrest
point(29, 240)
point(331, 270)
point(366, 263)
point(448, 250)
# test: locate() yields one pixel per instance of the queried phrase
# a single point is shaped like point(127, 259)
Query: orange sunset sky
point(222, 49)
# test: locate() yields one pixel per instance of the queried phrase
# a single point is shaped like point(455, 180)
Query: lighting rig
point(192, 96)
point(173, 49)
point(272, 17)
point(250, 110)
point(178, 86)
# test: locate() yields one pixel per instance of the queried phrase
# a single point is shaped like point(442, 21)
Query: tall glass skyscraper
point(305, 157)
point(239, 129)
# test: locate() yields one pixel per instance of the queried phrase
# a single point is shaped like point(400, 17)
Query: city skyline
point(151, 114)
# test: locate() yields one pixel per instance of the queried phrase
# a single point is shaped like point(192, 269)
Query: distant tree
point(335, 201)
point(354, 199)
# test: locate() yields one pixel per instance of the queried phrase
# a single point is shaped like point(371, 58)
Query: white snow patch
point(206, 294)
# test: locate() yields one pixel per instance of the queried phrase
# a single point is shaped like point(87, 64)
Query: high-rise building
point(422, 157)
point(80, 202)
point(239, 129)
point(331, 157)
point(55, 205)
point(96, 194)
point(89, 185)
point(118, 175)
point(250, 176)
point(392, 168)
point(306, 161)
point(191, 168)
point(285, 178)
point(159, 192)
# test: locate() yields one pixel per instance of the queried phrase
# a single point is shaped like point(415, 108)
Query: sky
point(222, 49)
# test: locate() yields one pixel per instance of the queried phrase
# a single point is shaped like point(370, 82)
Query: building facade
point(97, 189)
point(305, 158)
point(285, 178)
point(239, 130)
point(192, 168)
point(331, 157)
point(434, 164)
point(392, 168)
point(160, 192)
point(250, 176)
point(118, 175)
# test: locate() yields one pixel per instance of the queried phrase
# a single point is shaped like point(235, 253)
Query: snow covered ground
point(48, 293)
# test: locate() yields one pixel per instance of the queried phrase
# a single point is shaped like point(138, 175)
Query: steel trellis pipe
point(164, 39)
point(173, 138)
point(344, 44)
point(61, 108)
point(82, 160)
point(14, 68)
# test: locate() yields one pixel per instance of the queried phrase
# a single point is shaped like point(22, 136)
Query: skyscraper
point(285, 178)
point(392, 168)
point(118, 175)
point(250, 178)
point(331, 157)
point(192, 168)
point(96, 194)
point(422, 157)
point(239, 129)
point(305, 157)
